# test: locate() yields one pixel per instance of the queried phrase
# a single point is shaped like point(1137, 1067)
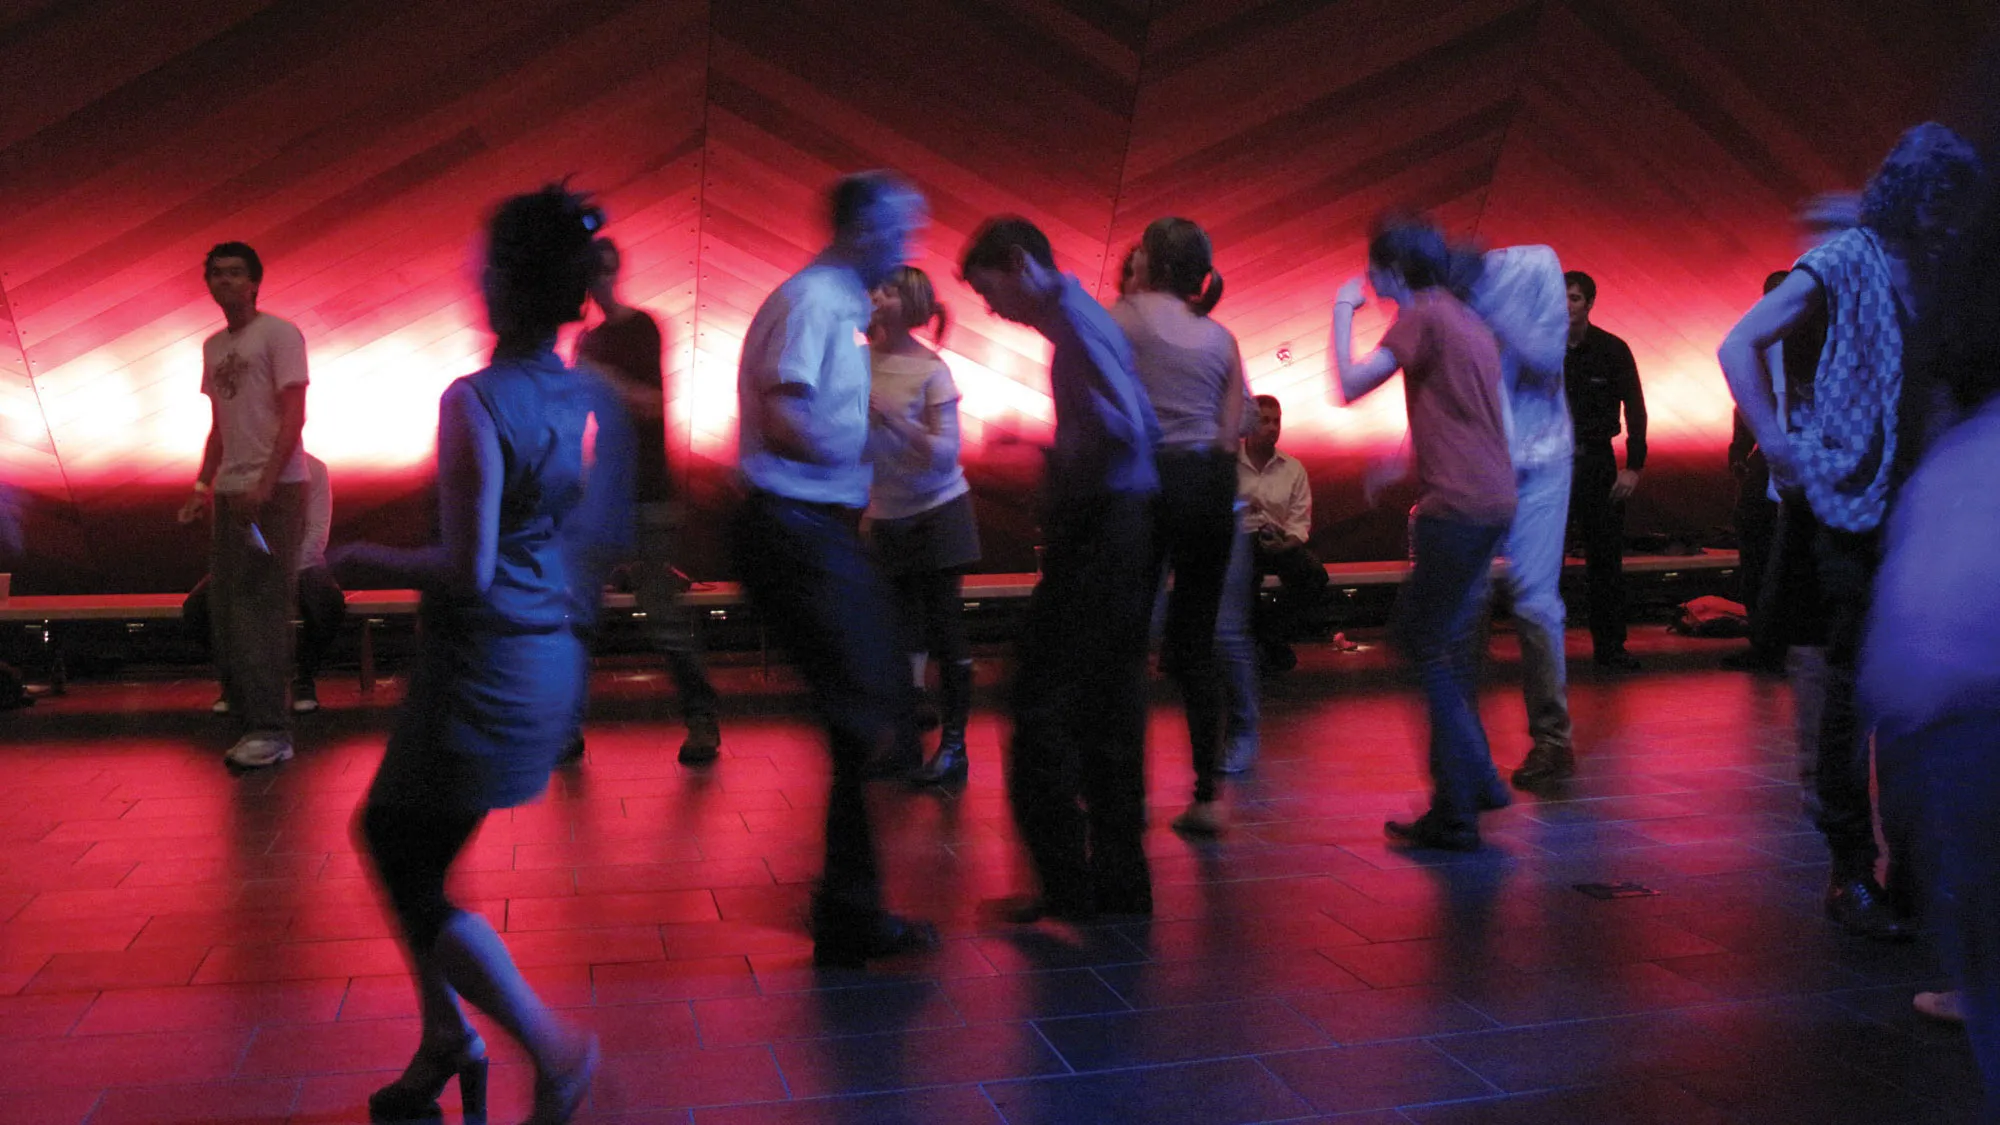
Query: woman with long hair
point(1192, 370)
point(920, 515)
point(499, 679)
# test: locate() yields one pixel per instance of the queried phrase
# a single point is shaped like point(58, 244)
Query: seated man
point(322, 606)
point(1278, 517)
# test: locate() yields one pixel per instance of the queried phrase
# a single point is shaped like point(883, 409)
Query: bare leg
point(470, 960)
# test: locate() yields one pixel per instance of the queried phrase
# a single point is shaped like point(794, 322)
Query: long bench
point(373, 607)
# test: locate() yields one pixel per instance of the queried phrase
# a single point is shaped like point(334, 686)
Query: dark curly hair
point(541, 257)
point(1923, 189)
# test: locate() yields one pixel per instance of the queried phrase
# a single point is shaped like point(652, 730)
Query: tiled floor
point(182, 946)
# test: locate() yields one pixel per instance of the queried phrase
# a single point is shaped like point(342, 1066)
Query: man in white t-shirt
point(322, 606)
point(253, 474)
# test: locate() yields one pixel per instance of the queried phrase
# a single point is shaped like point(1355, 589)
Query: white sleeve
point(288, 356)
point(319, 515)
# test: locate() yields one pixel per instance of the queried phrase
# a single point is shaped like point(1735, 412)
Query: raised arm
point(1745, 364)
point(1357, 377)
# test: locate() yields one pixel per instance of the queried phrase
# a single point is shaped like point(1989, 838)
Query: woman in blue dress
point(500, 675)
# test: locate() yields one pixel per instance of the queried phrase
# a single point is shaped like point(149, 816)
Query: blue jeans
point(1534, 568)
point(1436, 618)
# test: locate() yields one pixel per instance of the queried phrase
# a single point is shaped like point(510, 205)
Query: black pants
point(1833, 573)
point(670, 624)
point(322, 607)
point(413, 848)
point(1076, 774)
point(1192, 537)
point(1600, 522)
point(930, 615)
point(1756, 528)
point(1302, 586)
point(814, 587)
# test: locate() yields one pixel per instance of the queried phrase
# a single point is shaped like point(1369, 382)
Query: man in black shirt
point(625, 346)
point(1601, 378)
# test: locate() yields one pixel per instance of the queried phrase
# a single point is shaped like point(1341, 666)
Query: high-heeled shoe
point(559, 1095)
point(413, 1098)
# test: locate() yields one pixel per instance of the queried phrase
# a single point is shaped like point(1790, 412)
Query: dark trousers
point(814, 587)
point(1940, 786)
point(1756, 528)
point(1833, 571)
point(1192, 536)
point(670, 626)
point(1600, 522)
point(1076, 767)
point(412, 848)
point(1302, 586)
point(1437, 617)
point(251, 597)
point(930, 615)
point(322, 607)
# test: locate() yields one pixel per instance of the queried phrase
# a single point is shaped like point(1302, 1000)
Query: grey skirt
point(943, 538)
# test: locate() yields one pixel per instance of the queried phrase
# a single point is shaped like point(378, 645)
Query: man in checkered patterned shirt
point(1836, 456)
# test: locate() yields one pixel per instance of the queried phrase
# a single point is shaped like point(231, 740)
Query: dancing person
point(252, 483)
point(1278, 517)
point(626, 346)
point(802, 397)
point(920, 518)
point(1076, 769)
point(1465, 483)
point(1837, 455)
point(1191, 370)
point(499, 679)
point(321, 604)
point(1235, 643)
point(1602, 380)
point(1520, 295)
point(1928, 670)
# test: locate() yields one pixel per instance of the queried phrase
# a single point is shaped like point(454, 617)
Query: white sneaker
point(254, 751)
point(219, 707)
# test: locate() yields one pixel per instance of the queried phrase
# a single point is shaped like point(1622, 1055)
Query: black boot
point(950, 767)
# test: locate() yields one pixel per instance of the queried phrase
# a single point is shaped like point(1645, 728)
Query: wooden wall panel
point(1013, 106)
point(1659, 143)
point(1663, 147)
point(357, 145)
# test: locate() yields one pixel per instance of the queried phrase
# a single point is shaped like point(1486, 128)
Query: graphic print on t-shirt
point(227, 374)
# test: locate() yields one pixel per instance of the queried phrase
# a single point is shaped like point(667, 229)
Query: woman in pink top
point(1465, 484)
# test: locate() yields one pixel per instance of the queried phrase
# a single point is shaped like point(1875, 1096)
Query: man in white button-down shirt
point(1278, 516)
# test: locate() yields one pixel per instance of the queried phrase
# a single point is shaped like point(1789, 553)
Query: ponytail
point(942, 321)
point(1210, 296)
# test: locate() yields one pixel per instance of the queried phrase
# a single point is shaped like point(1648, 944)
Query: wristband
point(203, 487)
point(1350, 306)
